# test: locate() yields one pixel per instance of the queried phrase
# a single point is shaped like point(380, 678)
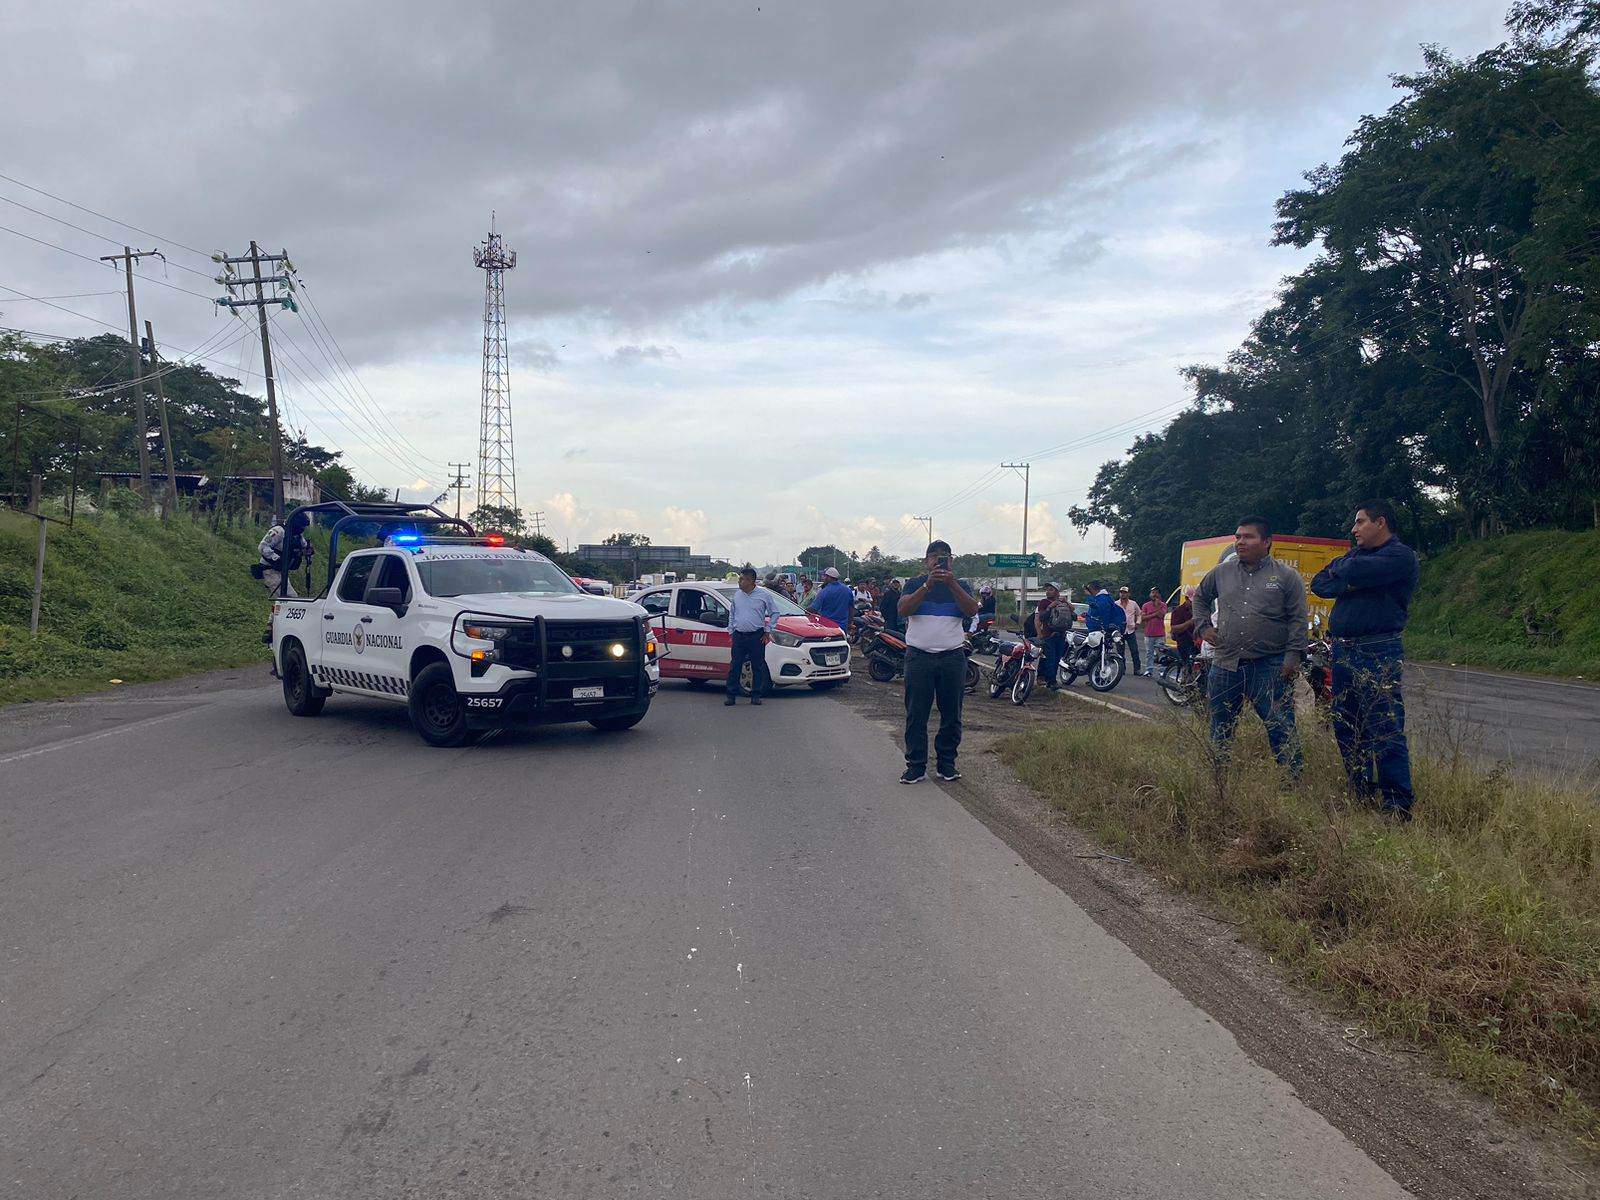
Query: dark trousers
point(1054, 646)
point(748, 647)
point(1131, 641)
point(1261, 682)
point(934, 677)
point(1369, 720)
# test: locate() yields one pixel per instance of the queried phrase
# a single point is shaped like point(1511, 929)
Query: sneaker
point(948, 774)
point(914, 775)
point(729, 701)
point(755, 700)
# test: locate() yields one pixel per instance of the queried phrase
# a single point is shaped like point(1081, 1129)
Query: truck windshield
point(486, 576)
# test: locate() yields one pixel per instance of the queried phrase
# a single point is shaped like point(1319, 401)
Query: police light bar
point(494, 541)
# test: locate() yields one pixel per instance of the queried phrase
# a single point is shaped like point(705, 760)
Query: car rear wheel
point(437, 713)
point(302, 697)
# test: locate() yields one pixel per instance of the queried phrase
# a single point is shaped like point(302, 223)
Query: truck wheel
point(437, 713)
point(616, 724)
point(302, 697)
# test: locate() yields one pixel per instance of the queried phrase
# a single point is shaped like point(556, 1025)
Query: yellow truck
point(1307, 555)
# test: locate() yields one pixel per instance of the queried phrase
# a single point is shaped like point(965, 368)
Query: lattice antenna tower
point(497, 460)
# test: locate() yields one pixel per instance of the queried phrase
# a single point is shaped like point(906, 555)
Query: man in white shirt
point(936, 606)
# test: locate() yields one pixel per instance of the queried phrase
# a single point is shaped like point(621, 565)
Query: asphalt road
point(1542, 724)
point(722, 955)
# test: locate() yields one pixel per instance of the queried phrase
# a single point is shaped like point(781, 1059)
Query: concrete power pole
point(127, 258)
point(166, 430)
point(928, 521)
point(459, 482)
point(1025, 470)
point(230, 281)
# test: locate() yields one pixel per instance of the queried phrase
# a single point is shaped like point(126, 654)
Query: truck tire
point(300, 696)
point(616, 724)
point(437, 713)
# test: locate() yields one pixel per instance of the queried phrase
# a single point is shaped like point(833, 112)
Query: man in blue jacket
point(834, 601)
point(1103, 614)
point(1371, 589)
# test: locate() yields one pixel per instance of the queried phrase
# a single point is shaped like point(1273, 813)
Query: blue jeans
point(1053, 646)
point(1261, 681)
point(748, 647)
point(1369, 720)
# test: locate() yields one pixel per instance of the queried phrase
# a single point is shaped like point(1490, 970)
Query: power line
point(103, 237)
point(104, 217)
point(88, 258)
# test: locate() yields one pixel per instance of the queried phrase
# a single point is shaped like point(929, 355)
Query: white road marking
point(19, 755)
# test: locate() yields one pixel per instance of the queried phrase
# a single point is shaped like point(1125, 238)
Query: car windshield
point(786, 607)
point(477, 576)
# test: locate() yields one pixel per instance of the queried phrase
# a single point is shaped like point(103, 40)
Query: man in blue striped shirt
point(753, 615)
point(936, 606)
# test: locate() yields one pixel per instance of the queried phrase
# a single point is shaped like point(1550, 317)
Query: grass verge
point(1473, 932)
point(125, 597)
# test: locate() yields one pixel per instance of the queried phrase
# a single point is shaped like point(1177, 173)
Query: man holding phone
point(936, 607)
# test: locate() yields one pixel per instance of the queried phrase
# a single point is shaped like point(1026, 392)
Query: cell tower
point(497, 460)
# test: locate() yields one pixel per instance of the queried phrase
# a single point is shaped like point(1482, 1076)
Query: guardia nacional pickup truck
point(467, 632)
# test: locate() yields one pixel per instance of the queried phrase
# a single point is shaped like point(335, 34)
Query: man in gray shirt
point(1259, 634)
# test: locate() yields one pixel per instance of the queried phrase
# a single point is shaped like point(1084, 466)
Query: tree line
point(1441, 349)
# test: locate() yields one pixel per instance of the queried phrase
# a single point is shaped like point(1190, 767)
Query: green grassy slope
point(125, 598)
point(1522, 602)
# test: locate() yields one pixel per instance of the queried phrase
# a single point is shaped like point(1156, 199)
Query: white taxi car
point(691, 623)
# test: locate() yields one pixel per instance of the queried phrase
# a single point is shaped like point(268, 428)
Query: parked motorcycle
point(1099, 655)
point(1016, 669)
point(886, 658)
point(1181, 682)
point(867, 621)
point(1317, 667)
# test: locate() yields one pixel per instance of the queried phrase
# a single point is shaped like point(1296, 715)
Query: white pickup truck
point(469, 634)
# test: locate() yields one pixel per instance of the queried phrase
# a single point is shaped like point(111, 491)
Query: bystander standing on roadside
point(936, 606)
point(1371, 590)
point(889, 607)
point(1153, 615)
point(754, 613)
point(1051, 625)
point(834, 600)
point(1182, 624)
point(1259, 632)
point(1130, 625)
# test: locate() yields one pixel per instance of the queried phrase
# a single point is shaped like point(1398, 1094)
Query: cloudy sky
point(789, 272)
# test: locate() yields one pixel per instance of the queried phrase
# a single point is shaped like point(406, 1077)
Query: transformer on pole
point(497, 463)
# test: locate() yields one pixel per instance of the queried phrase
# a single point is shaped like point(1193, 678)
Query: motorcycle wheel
point(1021, 687)
point(881, 669)
point(1106, 672)
point(973, 676)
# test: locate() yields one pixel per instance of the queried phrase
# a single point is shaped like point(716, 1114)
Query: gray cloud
point(1081, 250)
point(643, 159)
point(574, 453)
point(534, 354)
point(632, 356)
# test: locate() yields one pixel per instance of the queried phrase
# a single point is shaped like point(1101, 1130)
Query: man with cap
point(834, 601)
point(936, 606)
point(1052, 617)
point(754, 613)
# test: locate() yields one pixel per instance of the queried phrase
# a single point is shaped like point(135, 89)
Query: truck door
point(348, 623)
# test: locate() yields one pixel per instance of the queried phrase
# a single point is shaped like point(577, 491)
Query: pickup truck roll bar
point(359, 513)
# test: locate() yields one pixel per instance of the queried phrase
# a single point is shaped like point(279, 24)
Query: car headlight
point(785, 639)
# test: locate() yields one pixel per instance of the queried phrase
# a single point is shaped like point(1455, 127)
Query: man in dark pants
point(753, 614)
point(936, 606)
point(1259, 633)
point(1371, 589)
point(889, 606)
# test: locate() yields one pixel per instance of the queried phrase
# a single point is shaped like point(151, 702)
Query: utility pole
point(166, 430)
point(459, 483)
point(537, 521)
point(127, 258)
point(230, 281)
point(1025, 470)
point(928, 521)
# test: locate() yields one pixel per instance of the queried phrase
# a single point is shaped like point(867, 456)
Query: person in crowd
point(985, 606)
point(1103, 614)
point(1052, 617)
point(1259, 631)
point(1182, 625)
point(833, 600)
point(1371, 590)
point(754, 614)
point(936, 606)
point(1130, 625)
point(1153, 623)
point(275, 566)
point(889, 606)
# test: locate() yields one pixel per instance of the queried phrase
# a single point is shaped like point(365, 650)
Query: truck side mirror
point(387, 597)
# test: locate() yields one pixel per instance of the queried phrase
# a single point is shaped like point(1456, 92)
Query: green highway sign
point(1013, 562)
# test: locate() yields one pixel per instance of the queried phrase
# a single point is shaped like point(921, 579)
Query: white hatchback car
point(691, 623)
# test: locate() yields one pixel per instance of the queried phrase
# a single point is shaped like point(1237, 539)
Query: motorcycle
point(1317, 667)
point(886, 658)
point(1016, 669)
point(866, 622)
point(1099, 655)
point(1180, 681)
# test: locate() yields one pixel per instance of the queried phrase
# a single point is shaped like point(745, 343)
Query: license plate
point(835, 660)
point(588, 693)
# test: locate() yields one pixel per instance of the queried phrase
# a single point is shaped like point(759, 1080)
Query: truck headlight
point(785, 639)
point(485, 633)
